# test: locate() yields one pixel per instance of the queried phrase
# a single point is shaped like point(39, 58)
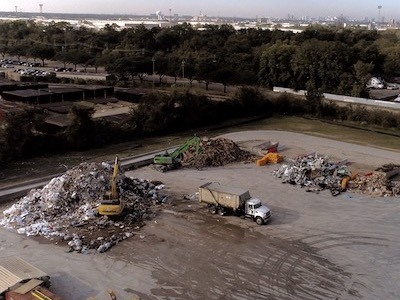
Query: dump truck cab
point(257, 211)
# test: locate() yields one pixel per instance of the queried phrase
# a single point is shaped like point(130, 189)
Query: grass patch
point(384, 140)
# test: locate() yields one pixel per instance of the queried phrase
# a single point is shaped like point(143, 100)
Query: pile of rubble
point(374, 184)
point(216, 152)
point(66, 209)
point(317, 173)
point(314, 172)
point(383, 182)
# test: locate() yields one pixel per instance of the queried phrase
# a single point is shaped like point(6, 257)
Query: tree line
point(333, 59)
point(24, 135)
point(319, 60)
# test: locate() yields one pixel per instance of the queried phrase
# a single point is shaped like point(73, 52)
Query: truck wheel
point(212, 209)
point(259, 221)
point(221, 211)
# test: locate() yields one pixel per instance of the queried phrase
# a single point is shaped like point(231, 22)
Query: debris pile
point(381, 183)
point(216, 152)
point(66, 209)
point(314, 172)
point(317, 173)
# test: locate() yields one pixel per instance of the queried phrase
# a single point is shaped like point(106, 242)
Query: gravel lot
point(316, 246)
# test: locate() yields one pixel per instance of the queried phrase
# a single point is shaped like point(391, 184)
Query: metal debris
point(317, 173)
point(65, 210)
point(314, 172)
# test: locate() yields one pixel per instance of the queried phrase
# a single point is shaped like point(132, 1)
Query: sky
point(356, 9)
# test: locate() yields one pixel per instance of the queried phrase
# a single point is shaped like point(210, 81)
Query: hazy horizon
point(390, 9)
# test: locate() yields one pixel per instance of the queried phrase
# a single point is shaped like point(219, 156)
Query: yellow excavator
point(111, 205)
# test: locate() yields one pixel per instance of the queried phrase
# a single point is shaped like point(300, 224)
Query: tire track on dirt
point(293, 262)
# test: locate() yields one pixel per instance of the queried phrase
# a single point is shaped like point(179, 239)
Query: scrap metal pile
point(216, 152)
point(66, 209)
point(317, 173)
point(314, 172)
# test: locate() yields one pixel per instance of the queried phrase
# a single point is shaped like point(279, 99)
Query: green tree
point(276, 65)
point(18, 50)
point(81, 134)
point(42, 52)
point(362, 73)
point(205, 68)
point(391, 65)
point(224, 74)
point(17, 132)
point(3, 50)
point(314, 97)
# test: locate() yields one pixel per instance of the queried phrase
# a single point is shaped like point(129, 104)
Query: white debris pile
point(66, 209)
point(314, 172)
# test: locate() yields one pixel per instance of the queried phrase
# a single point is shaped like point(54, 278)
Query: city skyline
point(389, 9)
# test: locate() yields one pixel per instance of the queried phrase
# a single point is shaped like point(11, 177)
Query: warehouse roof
point(14, 270)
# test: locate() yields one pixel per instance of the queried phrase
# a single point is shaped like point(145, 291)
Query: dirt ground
point(315, 247)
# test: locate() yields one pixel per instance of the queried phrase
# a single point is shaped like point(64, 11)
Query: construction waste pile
point(317, 173)
point(214, 153)
point(383, 182)
point(66, 209)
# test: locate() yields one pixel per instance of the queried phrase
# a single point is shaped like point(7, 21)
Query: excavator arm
point(174, 157)
point(194, 141)
point(111, 205)
point(114, 192)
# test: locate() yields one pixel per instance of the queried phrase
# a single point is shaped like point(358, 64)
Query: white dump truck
point(222, 199)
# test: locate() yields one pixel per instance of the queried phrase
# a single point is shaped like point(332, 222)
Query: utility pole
point(379, 15)
point(153, 59)
point(183, 72)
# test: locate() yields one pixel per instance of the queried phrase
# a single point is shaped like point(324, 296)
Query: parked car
point(376, 83)
point(7, 66)
point(392, 86)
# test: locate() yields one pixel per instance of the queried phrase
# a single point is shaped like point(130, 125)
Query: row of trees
point(334, 59)
point(23, 134)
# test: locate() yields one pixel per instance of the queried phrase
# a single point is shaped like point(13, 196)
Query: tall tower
point(41, 8)
point(16, 8)
point(379, 13)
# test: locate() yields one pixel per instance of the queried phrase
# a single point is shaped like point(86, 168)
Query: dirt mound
point(216, 152)
point(66, 209)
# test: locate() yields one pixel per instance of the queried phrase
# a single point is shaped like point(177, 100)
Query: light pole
point(379, 15)
point(183, 71)
point(153, 60)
